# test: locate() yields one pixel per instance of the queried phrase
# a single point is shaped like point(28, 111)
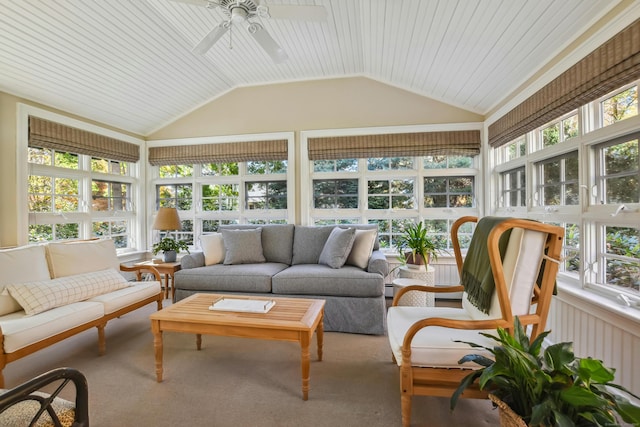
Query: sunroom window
point(558, 181)
point(514, 188)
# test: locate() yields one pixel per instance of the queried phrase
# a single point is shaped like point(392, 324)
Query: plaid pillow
point(36, 297)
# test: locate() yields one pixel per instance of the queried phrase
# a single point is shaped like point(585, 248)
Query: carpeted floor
point(240, 382)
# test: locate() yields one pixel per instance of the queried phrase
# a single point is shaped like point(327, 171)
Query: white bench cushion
point(433, 346)
point(19, 265)
point(20, 330)
point(71, 258)
point(116, 300)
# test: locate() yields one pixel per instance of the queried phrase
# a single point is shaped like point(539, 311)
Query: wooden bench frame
point(100, 323)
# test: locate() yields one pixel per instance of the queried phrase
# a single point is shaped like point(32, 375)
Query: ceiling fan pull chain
point(230, 32)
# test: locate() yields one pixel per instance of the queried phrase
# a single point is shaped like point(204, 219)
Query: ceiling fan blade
point(204, 3)
point(267, 43)
point(210, 39)
point(298, 12)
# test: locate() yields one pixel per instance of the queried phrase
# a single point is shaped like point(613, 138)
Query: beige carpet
point(240, 382)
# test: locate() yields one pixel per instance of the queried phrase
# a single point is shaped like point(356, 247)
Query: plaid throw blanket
point(477, 277)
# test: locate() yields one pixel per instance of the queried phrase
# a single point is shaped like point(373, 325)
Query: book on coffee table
point(242, 305)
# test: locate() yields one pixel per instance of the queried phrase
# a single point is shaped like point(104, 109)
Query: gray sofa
point(354, 296)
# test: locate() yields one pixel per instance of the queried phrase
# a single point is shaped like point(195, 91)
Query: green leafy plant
point(554, 388)
point(168, 244)
point(415, 241)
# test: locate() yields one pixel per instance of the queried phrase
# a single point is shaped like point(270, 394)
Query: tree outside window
point(620, 106)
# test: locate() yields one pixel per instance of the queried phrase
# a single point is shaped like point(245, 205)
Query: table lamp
point(167, 220)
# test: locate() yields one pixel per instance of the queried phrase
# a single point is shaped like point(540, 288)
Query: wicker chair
point(422, 339)
point(26, 405)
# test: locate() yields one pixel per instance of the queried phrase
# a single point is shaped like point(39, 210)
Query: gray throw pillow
point(308, 242)
point(243, 246)
point(338, 247)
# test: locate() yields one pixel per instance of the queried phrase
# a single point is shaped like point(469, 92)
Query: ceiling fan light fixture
point(238, 15)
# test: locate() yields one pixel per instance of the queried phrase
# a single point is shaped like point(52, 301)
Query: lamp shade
point(167, 219)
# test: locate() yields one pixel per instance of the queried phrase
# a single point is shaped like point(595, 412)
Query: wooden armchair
point(422, 338)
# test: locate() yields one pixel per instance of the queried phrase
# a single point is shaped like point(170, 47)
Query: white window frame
point(589, 214)
point(86, 216)
point(196, 214)
point(418, 173)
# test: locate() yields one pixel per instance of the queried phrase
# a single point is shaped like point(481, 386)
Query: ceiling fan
point(243, 11)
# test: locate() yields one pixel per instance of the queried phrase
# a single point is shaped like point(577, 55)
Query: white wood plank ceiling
point(128, 63)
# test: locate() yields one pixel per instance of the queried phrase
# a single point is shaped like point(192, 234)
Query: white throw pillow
point(362, 248)
point(212, 248)
point(36, 297)
point(19, 265)
point(68, 259)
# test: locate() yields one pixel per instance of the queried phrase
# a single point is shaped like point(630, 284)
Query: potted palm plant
point(552, 388)
point(415, 246)
point(169, 248)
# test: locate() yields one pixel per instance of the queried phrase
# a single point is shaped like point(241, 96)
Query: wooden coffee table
point(291, 319)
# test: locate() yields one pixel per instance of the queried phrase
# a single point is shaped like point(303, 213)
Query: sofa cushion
point(277, 240)
point(362, 248)
point(68, 259)
point(20, 330)
point(36, 297)
point(229, 278)
point(319, 279)
point(115, 300)
point(243, 246)
point(19, 265)
point(213, 248)
point(308, 243)
point(337, 248)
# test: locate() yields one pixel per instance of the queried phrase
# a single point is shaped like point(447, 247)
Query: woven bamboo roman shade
point(219, 153)
point(610, 66)
point(46, 134)
point(462, 143)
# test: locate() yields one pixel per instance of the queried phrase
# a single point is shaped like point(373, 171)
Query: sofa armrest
point(193, 260)
point(378, 263)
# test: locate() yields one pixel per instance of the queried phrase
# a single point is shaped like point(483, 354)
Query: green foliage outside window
point(223, 197)
point(178, 196)
point(621, 175)
point(442, 162)
point(389, 163)
point(175, 171)
point(266, 195)
point(620, 106)
point(340, 165)
point(220, 169)
point(267, 167)
point(448, 192)
point(624, 268)
point(335, 194)
point(390, 194)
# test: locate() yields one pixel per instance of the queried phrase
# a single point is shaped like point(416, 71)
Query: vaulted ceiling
point(128, 63)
